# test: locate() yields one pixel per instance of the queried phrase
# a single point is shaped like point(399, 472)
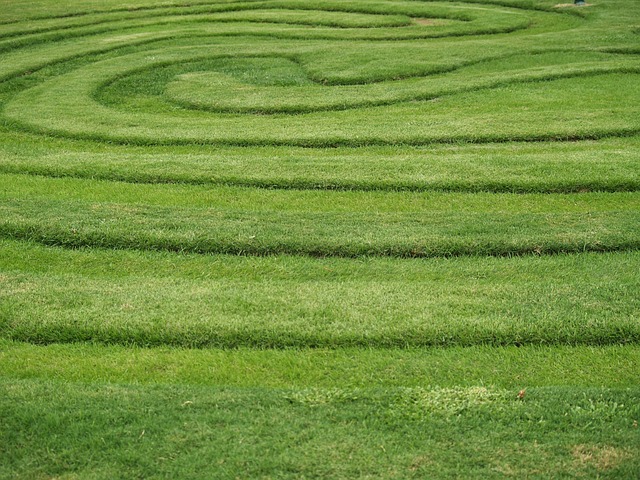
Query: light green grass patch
point(298, 302)
point(513, 368)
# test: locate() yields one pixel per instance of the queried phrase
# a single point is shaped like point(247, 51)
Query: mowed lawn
point(319, 239)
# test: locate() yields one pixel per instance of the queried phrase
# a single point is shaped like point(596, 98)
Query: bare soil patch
point(565, 5)
point(425, 21)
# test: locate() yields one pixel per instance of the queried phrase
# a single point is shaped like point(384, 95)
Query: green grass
point(508, 367)
point(77, 212)
point(311, 201)
point(168, 431)
point(210, 230)
point(51, 295)
point(606, 165)
point(599, 108)
point(319, 239)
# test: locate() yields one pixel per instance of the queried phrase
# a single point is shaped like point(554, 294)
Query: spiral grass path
point(329, 239)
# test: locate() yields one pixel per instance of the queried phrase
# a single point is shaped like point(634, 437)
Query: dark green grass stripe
point(599, 133)
point(70, 237)
point(137, 177)
point(115, 264)
point(322, 223)
point(92, 192)
point(69, 329)
point(607, 165)
point(125, 431)
point(342, 235)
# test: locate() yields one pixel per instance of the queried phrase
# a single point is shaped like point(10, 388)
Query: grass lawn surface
point(319, 239)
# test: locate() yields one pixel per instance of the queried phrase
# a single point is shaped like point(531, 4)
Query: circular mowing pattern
point(232, 74)
point(185, 82)
point(85, 34)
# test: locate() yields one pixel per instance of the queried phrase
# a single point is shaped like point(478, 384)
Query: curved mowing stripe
point(194, 79)
point(229, 198)
point(613, 366)
point(239, 220)
point(53, 295)
point(69, 95)
point(607, 165)
point(62, 106)
point(191, 20)
point(417, 106)
point(210, 230)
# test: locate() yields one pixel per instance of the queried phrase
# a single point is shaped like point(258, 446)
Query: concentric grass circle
point(281, 131)
point(294, 209)
point(328, 95)
point(209, 74)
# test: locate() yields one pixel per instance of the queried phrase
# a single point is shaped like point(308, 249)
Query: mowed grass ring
point(212, 82)
point(280, 67)
point(297, 77)
point(306, 79)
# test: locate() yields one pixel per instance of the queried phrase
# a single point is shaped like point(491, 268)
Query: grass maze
point(371, 222)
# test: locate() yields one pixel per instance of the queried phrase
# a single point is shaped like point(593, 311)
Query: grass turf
point(508, 367)
point(292, 129)
point(560, 167)
point(52, 295)
point(75, 212)
point(165, 431)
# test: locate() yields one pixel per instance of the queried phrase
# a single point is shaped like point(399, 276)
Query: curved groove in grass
point(80, 117)
point(74, 13)
point(605, 165)
point(342, 103)
point(169, 15)
point(487, 186)
point(195, 14)
point(54, 295)
point(323, 232)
